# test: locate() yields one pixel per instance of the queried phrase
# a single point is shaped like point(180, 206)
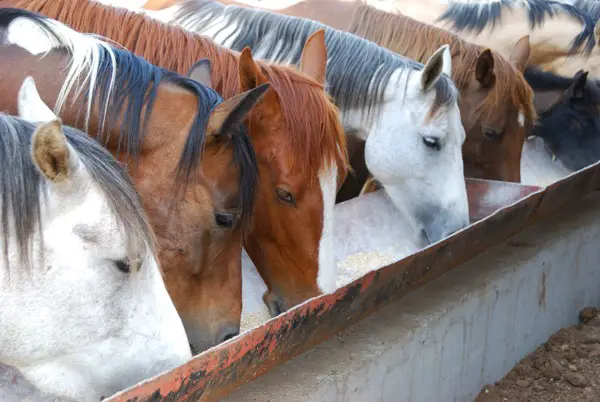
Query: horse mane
point(419, 41)
point(545, 80)
point(590, 7)
point(478, 15)
point(22, 187)
point(123, 82)
point(358, 70)
point(176, 49)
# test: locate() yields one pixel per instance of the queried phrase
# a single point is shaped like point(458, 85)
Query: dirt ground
point(566, 368)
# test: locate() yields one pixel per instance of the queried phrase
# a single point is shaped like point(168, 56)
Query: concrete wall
point(468, 328)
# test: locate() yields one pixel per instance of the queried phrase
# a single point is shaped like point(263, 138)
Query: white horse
point(84, 311)
point(407, 112)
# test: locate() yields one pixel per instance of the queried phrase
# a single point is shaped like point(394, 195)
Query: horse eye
point(285, 196)
point(491, 134)
point(123, 265)
point(432, 142)
point(225, 219)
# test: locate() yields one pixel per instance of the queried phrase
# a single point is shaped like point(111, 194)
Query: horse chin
point(274, 303)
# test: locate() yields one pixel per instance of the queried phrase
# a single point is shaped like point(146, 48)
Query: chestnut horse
point(163, 123)
point(295, 129)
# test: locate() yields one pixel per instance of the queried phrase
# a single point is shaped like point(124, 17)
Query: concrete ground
point(467, 328)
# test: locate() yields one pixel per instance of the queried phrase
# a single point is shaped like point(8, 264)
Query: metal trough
point(498, 210)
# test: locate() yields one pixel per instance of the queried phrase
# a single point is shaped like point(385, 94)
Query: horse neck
point(569, 65)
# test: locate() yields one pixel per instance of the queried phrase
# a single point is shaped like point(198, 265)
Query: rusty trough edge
point(225, 367)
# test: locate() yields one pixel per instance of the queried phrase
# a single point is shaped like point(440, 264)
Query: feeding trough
point(497, 209)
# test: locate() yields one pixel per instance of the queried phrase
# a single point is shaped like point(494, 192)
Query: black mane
point(475, 17)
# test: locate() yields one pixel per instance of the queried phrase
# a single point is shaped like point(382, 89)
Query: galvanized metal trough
point(498, 210)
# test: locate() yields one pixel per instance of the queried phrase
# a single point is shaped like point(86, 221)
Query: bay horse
point(295, 130)
point(496, 103)
point(161, 124)
point(406, 112)
point(83, 306)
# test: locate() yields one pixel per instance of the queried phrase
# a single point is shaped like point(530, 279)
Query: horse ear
point(520, 53)
point(577, 88)
point(201, 72)
point(30, 105)
point(250, 75)
point(438, 63)
point(314, 57)
point(233, 111)
point(546, 100)
point(51, 153)
point(484, 68)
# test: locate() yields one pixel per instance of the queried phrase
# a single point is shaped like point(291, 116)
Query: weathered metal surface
point(218, 371)
point(569, 189)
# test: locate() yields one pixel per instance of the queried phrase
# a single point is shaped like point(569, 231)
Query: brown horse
point(163, 124)
point(295, 130)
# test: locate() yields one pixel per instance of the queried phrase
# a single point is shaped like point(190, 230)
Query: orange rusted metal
point(498, 210)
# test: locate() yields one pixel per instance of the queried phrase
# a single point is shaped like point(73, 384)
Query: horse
point(500, 23)
point(406, 112)
point(80, 283)
point(496, 103)
point(295, 130)
point(569, 126)
point(161, 124)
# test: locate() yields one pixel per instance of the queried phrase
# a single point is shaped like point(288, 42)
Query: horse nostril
point(231, 335)
point(194, 350)
point(228, 334)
